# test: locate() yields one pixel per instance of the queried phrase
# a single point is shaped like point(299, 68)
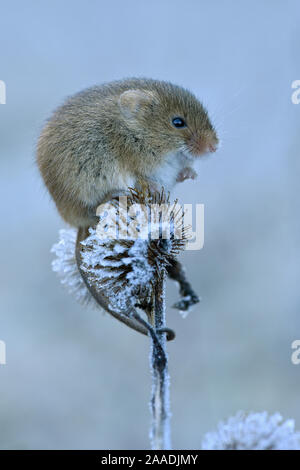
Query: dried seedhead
point(124, 255)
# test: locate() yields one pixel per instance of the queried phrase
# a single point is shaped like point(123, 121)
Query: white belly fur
point(166, 175)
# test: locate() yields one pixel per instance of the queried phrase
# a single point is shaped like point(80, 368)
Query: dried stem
point(160, 427)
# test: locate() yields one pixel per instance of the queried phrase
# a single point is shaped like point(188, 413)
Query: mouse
point(121, 134)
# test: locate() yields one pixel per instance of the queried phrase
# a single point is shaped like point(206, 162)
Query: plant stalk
point(160, 427)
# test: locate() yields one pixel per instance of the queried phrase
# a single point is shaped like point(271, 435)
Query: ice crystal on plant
point(253, 431)
point(123, 255)
point(120, 267)
point(66, 267)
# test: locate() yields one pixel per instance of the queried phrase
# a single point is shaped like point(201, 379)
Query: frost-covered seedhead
point(66, 267)
point(127, 264)
point(253, 431)
point(122, 268)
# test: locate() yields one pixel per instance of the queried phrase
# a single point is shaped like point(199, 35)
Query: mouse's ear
point(131, 102)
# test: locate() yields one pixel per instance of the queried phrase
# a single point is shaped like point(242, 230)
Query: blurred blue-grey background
point(76, 378)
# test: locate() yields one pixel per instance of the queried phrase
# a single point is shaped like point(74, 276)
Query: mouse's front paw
point(185, 174)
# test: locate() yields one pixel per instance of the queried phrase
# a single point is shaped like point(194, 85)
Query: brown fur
point(112, 136)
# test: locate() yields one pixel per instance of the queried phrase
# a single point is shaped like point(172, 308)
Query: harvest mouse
point(110, 137)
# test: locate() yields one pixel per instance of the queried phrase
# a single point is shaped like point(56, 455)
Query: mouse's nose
point(212, 142)
point(206, 143)
point(212, 147)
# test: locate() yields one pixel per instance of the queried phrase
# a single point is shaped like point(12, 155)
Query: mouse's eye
point(178, 122)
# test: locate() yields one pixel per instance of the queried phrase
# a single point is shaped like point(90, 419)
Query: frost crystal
point(185, 305)
point(253, 431)
point(120, 268)
point(123, 255)
point(66, 267)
